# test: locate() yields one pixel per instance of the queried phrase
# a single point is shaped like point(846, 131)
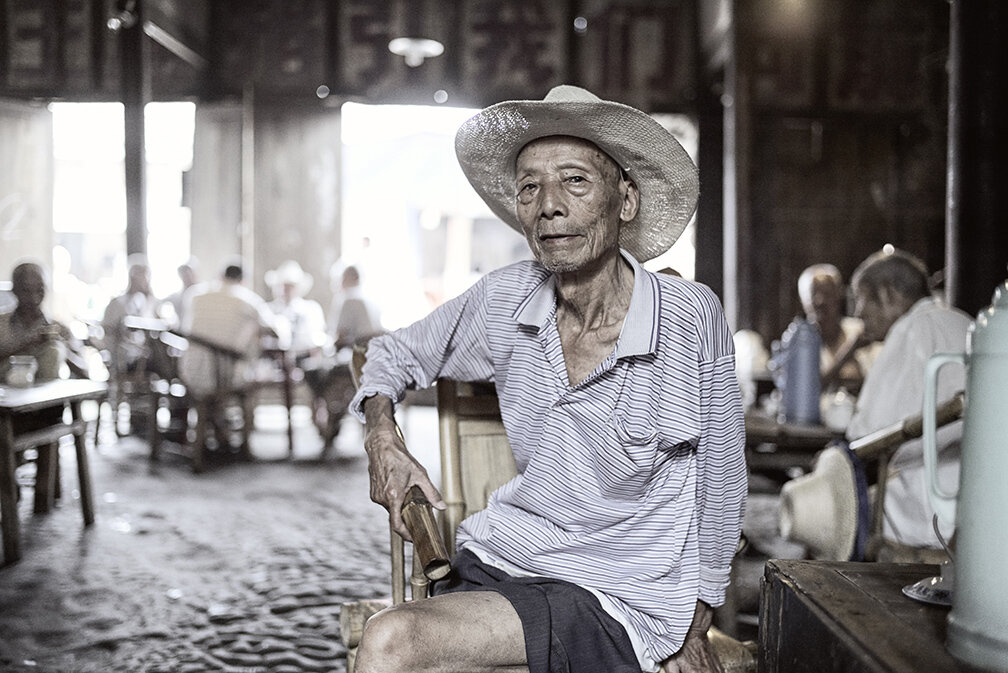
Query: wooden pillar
point(710, 257)
point(135, 84)
point(247, 226)
point(976, 210)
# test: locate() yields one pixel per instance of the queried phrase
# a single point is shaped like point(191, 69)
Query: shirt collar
point(640, 327)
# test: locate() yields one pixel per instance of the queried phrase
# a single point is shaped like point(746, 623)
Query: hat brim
point(820, 510)
point(488, 143)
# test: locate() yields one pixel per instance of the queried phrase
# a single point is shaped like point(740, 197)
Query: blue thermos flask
point(801, 344)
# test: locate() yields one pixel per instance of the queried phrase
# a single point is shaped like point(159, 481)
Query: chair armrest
point(879, 442)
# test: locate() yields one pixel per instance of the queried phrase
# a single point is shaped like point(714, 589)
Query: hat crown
point(488, 142)
point(567, 93)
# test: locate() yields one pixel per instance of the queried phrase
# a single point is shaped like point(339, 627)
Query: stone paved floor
point(241, 569)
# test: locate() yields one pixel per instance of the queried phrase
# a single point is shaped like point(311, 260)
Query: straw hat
point(820, 510)
point(488, 144)
point(289, 273)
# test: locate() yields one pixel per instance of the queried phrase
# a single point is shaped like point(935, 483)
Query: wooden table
point(43, 396)
point(776, 446)
point(820, 616)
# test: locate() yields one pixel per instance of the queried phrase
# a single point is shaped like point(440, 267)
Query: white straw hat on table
point(820, 510)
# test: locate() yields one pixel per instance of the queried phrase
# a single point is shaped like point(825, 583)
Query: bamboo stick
point(427, 543)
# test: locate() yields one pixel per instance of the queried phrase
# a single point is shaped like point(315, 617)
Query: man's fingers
point(432, 494)
point(397, 524)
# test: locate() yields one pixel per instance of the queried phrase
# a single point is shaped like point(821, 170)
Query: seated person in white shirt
point(304, 317)
point(230, 315)
point(896, 304)
point(609, 549)
point(125, 346)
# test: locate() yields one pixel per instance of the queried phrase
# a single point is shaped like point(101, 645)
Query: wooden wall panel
point(845, 141)
point(513, 50)
point(271, 45)
point(297, 193)
point(57, 49)
point(640, 53)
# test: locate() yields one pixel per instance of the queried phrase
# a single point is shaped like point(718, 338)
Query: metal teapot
point(978, 622)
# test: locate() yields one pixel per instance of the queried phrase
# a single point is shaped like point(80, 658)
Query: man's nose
point(552, 202)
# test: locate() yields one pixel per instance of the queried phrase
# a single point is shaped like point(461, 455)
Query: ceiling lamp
point(415, 49)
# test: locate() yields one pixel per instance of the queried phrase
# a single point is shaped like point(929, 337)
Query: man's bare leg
point(464, 632)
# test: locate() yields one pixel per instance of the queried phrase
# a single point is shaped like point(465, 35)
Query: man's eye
point(526, 192)
point(576, 180)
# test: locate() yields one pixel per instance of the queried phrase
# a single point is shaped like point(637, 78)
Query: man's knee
point(392, 641)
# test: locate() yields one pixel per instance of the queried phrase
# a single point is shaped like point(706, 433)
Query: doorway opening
point(89, 200)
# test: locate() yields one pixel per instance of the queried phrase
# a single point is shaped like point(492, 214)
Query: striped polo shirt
point(631, 483)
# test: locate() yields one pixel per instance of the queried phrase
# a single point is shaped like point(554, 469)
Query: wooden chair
point(211, 408)
point(128, 379)
point(881, 445)
point(875, 448)
point(476, 458)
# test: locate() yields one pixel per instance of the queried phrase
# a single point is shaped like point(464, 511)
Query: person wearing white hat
point(617, 388)
point(304, 317)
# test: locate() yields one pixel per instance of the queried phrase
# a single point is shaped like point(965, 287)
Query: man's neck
point(28, 315)
point(590, 299)
point(590, 311)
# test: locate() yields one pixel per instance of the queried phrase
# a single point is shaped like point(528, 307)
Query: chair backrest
point(476, 457)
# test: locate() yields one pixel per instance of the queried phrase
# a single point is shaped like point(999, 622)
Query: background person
point(226, 314)
point(895, 303)
point(354, 317)
point(846, 354)
point(188, 273)
point(26, 330)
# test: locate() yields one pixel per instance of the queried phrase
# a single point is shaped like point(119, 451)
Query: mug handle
point(944, 504)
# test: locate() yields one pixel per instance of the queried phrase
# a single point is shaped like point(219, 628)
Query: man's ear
point(631, 201)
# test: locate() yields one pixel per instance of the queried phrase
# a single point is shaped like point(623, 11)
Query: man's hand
point(390, 466)
point(695, 655)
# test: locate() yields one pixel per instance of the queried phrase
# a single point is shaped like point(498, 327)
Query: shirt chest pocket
point(625, 458)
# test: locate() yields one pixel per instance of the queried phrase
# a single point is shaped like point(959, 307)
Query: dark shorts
point(566, 630)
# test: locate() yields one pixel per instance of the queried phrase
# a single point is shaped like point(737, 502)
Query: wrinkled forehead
point(560, 143)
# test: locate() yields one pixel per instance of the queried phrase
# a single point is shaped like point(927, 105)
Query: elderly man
point(895, 303)
point(610, 547)
point(846, 354)
point(27, 330)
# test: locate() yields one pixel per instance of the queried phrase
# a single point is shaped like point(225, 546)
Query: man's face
point(571, 202)
point(878, 311)
point(29, 288)
point(826, 301)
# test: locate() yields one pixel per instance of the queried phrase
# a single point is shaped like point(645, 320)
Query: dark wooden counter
point(820, 616)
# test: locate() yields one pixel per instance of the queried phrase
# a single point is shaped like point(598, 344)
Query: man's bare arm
point(392, 469)
point(695, 655)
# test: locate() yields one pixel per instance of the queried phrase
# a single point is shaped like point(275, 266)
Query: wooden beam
point(174, 45)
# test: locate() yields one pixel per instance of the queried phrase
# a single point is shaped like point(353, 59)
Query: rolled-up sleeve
point(450, 342)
